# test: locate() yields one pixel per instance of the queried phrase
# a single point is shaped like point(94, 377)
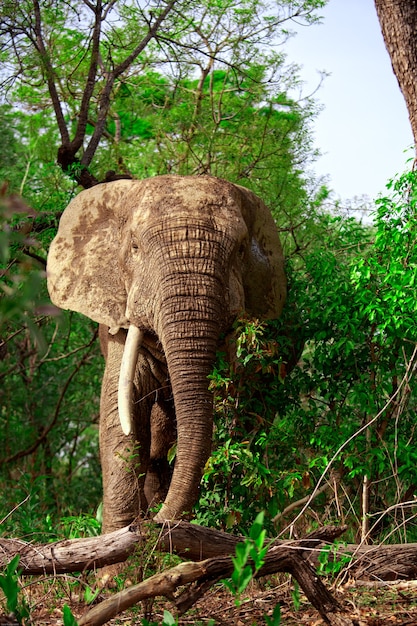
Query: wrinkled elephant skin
point(178, 258)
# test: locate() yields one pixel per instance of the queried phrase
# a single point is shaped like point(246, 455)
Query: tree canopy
point(78, 57)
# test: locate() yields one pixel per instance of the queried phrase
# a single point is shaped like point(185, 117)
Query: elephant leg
point(124, 459)
point(163, 437)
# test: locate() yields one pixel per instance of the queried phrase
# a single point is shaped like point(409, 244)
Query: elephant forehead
point(170, 196)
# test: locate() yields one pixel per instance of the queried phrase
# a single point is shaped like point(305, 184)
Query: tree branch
point(77, 142)
point(50, 74)
point(104, 104)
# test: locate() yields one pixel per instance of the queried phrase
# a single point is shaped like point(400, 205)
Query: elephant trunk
point(190, 350)
point(189, 321)
point(187, 312)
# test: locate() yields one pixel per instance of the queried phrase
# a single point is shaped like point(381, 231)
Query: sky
point(363, 130)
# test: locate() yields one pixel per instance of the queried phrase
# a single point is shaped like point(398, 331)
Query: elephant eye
point(135, 245)
point(241, 252)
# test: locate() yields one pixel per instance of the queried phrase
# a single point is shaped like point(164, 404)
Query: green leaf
point(275, 620)
point(245, 577)
point(242, 553)
point(257, 526)
point(68, 617)
point(168, 619)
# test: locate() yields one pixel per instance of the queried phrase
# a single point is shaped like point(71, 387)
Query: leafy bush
point(351, 400)
point(16, 606)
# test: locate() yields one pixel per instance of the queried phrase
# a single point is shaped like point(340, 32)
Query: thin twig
point(392, 399)
point(14, 509)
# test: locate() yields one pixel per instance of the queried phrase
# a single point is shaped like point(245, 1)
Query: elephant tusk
point(127, 372)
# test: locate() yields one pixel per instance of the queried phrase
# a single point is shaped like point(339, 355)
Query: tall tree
point(398, 20)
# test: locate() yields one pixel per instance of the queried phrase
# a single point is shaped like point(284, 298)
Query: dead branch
point(201, 576)
point(196, 543)
point(334, 479)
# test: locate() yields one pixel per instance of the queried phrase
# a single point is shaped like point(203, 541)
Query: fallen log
point(381, 561)
point(212, 548)
point(71, 555)
point(196, 543)
point(189, 540)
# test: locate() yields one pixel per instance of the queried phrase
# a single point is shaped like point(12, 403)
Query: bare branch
point(77, 142)
point(50, 74)
point(104, 103)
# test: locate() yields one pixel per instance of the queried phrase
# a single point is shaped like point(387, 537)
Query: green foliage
point(190, 138)
point(90, 595)
point(275, 620)
point(9, 584)
point(248, 560)
point(251, 448)
point(46, 424)
point(83, 525)
point(47, 438)
point(45, 418)
point(68, 617)
point(218, 105)
point(252, 549)
point(351, 400)
point(331, 562)
point(22, 278)
point(361, 347)
point(28, 164)
point(295, 594)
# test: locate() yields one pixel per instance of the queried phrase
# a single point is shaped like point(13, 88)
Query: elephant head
point(171, 260)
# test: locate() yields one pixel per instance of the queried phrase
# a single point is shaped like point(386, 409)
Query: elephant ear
point(83, 260)
point(264, 280)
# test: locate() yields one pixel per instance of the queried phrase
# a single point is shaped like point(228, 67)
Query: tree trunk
point(398, 20)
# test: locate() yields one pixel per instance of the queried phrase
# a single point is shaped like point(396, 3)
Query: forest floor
point(381, 606)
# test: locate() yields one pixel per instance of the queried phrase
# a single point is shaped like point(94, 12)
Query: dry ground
point(381, 606)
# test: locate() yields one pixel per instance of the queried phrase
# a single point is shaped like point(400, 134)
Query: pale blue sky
point(363, 131)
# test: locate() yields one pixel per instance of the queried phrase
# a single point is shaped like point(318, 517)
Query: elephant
point(164, 265)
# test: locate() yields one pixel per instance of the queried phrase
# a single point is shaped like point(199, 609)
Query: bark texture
point(398, 20)
point(201, 576)
point(196, 543)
